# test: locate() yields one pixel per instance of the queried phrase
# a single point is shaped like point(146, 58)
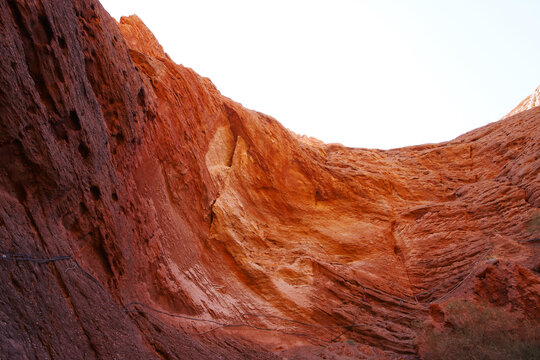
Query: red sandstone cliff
point(160, 203)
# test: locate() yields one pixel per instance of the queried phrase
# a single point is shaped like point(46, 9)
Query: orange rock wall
point(175, 204)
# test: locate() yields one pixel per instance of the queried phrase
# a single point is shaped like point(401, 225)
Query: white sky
point(377, 73)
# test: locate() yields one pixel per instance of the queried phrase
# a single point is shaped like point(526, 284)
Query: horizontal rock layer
point(178, 224)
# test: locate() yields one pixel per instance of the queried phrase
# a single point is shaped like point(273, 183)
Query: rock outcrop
point(144, 215)
point(529, 102)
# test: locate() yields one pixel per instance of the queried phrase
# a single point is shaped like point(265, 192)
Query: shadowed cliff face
point(144, 215)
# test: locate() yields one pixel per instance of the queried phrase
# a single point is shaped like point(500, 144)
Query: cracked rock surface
point(178, 224)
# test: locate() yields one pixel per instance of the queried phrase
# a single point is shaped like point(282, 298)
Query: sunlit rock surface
point(160, 203)
point(529, 102)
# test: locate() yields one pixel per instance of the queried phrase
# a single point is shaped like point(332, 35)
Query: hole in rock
point(60, 131)
point(84, 208)
point(20, 192)
point(46, 25)
point(141, 99)
point(120, 137)
point(75, 122)
point(84, 150)
point(61, 42)
point(96, 193)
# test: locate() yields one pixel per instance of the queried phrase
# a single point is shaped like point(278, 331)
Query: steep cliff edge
point(144, 215)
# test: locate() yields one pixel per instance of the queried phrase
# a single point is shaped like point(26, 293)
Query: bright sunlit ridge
point(380, 74)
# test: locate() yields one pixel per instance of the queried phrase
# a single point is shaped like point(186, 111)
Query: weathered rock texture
point(171, 204)
point(529, 102)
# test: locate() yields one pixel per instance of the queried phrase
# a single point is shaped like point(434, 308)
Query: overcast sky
point(378, 74)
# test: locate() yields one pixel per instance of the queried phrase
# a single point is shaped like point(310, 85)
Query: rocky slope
point(144, 215)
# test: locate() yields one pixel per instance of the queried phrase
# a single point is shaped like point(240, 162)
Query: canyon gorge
point(143, 215)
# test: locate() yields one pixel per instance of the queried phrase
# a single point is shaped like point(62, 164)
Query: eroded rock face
point(174, 204)
point(529, 102)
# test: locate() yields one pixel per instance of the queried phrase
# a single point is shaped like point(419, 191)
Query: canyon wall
point(145, 215)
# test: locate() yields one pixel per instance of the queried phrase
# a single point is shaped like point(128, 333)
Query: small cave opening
point(83, 207)
point(75, 121)
point(84, 150)
point(96, 193)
